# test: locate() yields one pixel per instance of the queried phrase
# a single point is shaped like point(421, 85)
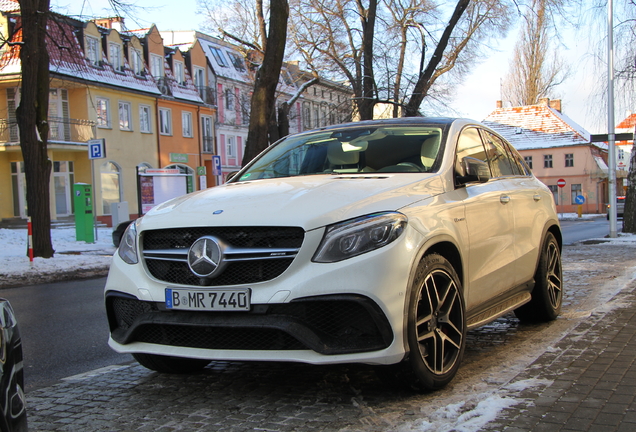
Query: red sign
point(561, 183)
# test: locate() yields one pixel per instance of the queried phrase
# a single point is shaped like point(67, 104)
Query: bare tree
point(334, 36)
point(267, 75)
point(32, 121)
point(532, 74)
point(629, 213)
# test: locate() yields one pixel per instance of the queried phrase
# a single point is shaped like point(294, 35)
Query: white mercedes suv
point(379, 242)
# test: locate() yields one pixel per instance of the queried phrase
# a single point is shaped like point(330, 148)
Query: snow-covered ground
point(474, 407)
point(71, 257)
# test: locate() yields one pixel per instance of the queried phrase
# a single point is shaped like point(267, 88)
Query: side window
point(469, 145)
point(500, 163)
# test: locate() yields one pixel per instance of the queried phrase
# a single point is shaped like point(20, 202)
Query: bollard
point(580, 210)
point(30, 233)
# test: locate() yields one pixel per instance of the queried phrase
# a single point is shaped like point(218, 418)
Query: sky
point(475, 98)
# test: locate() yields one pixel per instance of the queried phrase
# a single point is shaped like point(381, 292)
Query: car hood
point(308, 202)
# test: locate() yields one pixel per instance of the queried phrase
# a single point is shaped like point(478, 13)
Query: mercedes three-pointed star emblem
point(205, 256)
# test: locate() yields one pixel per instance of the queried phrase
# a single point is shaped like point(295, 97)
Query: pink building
point(556, 148)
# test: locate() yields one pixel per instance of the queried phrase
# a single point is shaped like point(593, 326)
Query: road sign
point(561, 183)
point(216, 165)
point(97, 148)
point(579, 199)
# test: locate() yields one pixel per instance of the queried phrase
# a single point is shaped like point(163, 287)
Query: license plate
point(208, 300)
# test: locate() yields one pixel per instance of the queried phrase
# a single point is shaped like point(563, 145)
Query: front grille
point(258, 254)
point(334, 324)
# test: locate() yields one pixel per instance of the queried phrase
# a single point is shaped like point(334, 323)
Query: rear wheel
point(436, 325)
point(547, 294)
point(172, 365)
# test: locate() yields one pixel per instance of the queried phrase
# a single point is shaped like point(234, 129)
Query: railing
point(208, 94)
point(60, 130)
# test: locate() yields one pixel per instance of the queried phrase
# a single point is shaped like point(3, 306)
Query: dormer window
point(137, 61)
point(156, 66)
point(114, 54)
point(92, 50)
point(178, 72)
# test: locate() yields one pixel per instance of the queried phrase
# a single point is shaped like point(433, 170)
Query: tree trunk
point(629, 213)
point(267, 77)
point(366, 105)
point(32, 114)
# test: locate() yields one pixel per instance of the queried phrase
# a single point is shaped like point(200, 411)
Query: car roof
point(402, 121)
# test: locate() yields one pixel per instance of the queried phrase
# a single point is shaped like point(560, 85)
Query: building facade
point(556, 148)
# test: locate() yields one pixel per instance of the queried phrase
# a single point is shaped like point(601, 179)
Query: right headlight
point(128, 245)
point(357, 236)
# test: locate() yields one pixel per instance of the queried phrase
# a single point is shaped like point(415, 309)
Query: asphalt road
point(574, 231)
point(64, 330)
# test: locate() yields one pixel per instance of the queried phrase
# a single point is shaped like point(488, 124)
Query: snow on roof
point(9, 5)
point(537, 126)
point(67, 58)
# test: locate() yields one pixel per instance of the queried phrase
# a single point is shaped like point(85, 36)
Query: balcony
point(208, 94)
point(61, 130)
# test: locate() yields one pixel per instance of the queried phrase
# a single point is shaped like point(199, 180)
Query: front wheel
point(436, 324)
point(547, 294)
point(171, 365)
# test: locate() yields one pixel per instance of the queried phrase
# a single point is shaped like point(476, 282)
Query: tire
point(436, 329)
point(547, 294)
point(170, 365)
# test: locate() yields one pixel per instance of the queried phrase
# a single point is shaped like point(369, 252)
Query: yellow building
point(102, 88)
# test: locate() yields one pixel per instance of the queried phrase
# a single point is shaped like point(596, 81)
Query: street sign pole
point(96, 150)
point(611, 178)
point(561, 184)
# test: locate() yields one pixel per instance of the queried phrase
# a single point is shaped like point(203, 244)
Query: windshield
point(391, 149)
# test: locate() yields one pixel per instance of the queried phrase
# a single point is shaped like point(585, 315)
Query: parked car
point(379, 242)
point(12, 400)
point(620, 207)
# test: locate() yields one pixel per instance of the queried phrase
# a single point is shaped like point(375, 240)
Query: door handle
point(504, 199)
point(537, 197)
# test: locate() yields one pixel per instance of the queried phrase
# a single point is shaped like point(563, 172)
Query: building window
point(114, 53)
point(229, 99)
point(237, 62)
point(137, 62)
point(156, 65)
point(206, 132)
point(178, 72)
point(569, 159)
point(230, 147)
point(547, 161)
point(218, 56)
point(576, 190)
point(125, 116)
point(110, 176)
point(186, 123)
point(165, 121)
point(144, 119)
point(103, 112)
point(199, 77)
point(555, 193)
point(528, 160)
point(92, 50)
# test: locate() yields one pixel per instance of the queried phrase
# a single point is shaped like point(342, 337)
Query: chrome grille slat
point(252, 254)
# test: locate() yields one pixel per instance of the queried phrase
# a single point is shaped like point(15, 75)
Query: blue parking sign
point(216, 165)
point(97, 148)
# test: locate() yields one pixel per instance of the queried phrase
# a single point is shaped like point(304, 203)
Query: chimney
point(499, 104)
point(116, 23)
point(544, 102)
point(556, 104)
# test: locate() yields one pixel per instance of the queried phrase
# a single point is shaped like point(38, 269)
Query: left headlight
point(128, 245)
point(357, 236)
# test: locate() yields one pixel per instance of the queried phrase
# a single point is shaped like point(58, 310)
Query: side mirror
point(475, 171)
point(230, 176)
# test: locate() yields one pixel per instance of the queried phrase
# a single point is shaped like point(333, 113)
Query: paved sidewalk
point(592, 376)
